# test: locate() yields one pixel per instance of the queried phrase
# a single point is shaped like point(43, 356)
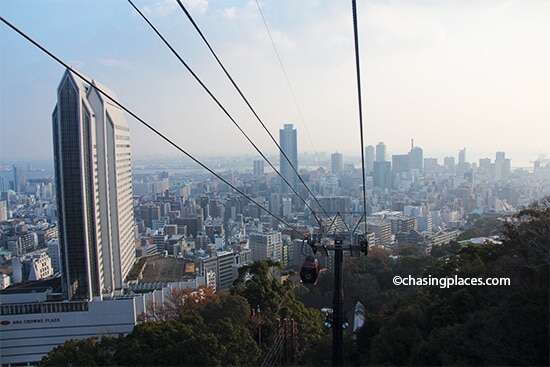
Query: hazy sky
point(450, 74)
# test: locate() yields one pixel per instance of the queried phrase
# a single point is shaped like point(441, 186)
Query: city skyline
point(447, 75)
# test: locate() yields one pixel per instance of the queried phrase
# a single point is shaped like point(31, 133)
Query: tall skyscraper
point(381, 152)
point(369, 159)
point(336, 163)
point(502, 166)
point(19, 179)
point(416, 158)
point(94, 190)
point(462, 156)
point(289, 144)
point(462, 165)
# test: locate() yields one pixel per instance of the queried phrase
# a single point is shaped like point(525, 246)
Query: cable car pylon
point(309, 271)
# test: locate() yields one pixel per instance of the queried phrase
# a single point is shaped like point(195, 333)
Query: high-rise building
point(94, 189)
point(462, 165)
point(502, 166)
point(289, 145)
point(266, 245)
point(258, 168)
point(382, 175)
point(369, 159)
point(449, 163)
point(19, 179)
point(3, 210)
point(430, 165)
point(380, 152)
point(416, 159)
point(400, 163)
point(462, 156)
point(149, 213)
point(336, 163)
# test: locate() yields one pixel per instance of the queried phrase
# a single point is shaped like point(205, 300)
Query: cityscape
point(116, 253)
point(79, 233)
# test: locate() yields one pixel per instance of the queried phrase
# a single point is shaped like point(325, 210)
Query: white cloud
point(200, 5)
point(161, 8)
point(228, 13)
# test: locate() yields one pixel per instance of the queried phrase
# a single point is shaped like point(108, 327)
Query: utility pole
point(338, 305)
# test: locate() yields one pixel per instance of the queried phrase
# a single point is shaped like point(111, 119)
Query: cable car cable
point(360, 103)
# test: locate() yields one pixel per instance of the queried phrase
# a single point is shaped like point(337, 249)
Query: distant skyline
point(449, 75)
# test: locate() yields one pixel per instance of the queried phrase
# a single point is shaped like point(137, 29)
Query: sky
point(471, 74)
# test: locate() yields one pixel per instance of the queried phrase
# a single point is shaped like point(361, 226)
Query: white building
point(94, 189)
point(266, 245)
point(5, 281)
point(33, 266)
point(33, 323)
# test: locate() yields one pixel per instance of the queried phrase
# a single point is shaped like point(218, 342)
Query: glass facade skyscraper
point(94, 190)
point(289, 144)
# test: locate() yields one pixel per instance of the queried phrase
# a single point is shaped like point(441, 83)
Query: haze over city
point(450, 75)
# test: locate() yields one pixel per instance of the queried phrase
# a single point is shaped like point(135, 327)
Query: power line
point(286, 77)
point(225, 110)
point(143, 122)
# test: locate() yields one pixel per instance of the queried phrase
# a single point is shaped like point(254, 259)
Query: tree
point(92, 351)
point(477, 325)
point(180, 302)
point(277, 300)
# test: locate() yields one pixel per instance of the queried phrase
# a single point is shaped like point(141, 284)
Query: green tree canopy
point(475, 325)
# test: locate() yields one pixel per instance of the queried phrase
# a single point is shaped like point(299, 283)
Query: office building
point(19, 179)
point(449, 164)
point(94, 190)
point(400, 163)
point(3, 210)
point(33, 266)
point(266, 245)
point(289, 145)
point(380, 152)
point(333, 204)
point(336, 163)
point(430, 165)
point(382, 230)
point(416, 159)
point(259, 168)
point(33, 320)
point(502, 166)
point(382, 175)
point(369, 159)
point(462, 156)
